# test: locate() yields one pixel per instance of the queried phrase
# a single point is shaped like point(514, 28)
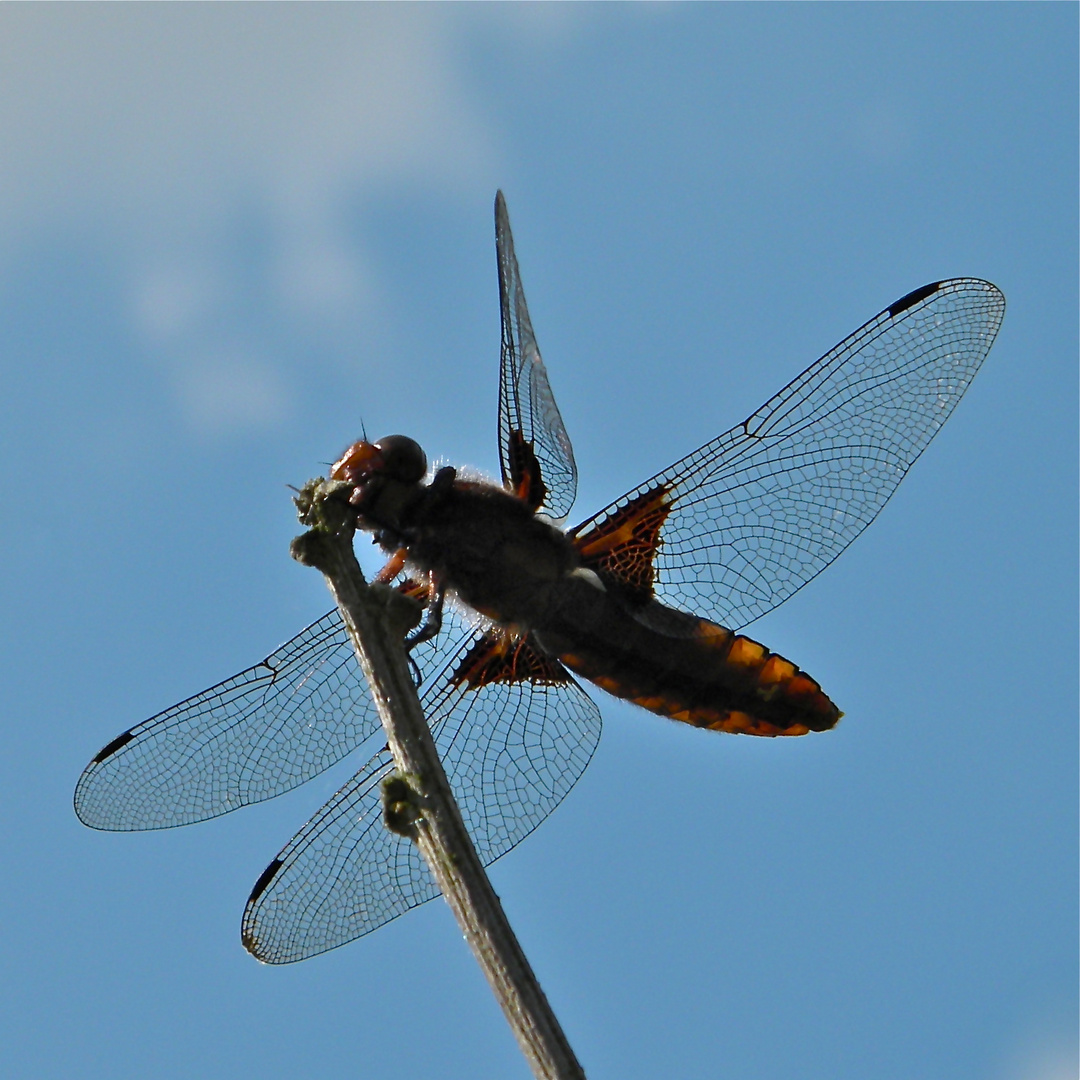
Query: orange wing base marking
point(500, 657)
point(625, 543)
point(525, 476)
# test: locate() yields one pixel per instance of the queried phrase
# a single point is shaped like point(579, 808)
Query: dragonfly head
point(395, 457)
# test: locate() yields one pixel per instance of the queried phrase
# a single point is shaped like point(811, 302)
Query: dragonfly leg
point(393, 567)
point(418, 675)
point(432, 621)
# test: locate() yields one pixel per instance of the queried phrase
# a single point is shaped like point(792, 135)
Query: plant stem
point(418, 800)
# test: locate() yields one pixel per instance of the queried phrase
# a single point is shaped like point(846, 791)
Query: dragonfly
point(647, 599)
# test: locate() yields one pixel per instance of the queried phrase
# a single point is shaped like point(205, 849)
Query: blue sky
point(228, 235)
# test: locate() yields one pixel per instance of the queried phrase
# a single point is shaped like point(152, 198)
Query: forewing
point(534, 449)
point(738, 526)
point(253, 736)
point(512, 750)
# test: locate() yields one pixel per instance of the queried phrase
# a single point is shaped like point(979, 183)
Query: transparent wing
point(249, 738)
point(512, 751)
point(534, 449)
point(752, 516)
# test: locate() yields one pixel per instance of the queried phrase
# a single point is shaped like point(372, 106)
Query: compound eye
point(403, 458)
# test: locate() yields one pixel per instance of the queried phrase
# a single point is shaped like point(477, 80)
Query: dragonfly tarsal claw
point(433, 622)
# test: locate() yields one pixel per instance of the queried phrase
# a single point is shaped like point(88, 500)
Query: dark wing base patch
point(499, 657)
point(526, 478)
point(625, 543)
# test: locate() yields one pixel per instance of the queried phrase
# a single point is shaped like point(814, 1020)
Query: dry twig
point(417, 799)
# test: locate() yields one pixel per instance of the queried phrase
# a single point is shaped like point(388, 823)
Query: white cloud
point(1045, 1057)
point(161, 127)
point(173, 297)
point(131, 107)
point(225, 390)
point(1051, 1066)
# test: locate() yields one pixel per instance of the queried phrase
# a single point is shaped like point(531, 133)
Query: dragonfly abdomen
point(692, 670)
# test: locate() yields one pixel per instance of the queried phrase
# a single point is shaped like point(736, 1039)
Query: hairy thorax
point(486, 545)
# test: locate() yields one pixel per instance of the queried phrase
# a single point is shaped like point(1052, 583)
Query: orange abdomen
point(711, 678)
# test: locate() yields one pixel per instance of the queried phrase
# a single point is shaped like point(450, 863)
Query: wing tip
point(923, 292)
point(912, 298)
point(264, 880)
point(109, 749)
